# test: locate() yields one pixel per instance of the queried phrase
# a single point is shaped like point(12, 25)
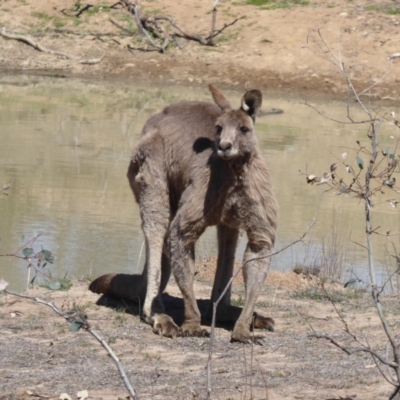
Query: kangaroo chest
point(230, 204)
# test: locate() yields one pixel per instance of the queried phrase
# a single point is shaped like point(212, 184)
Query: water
point(65, 147)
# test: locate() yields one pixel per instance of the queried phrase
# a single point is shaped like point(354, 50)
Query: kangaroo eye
point(244, 129)
point(218, 129)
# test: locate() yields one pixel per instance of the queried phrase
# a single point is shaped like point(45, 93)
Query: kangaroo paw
point(243, 335)
point(193, 329)
point(164, 325)
point(261, 322)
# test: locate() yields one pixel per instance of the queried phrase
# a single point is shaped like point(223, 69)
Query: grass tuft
point(275, 4)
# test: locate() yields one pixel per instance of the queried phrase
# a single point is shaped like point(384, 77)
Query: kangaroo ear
point(251, 102)
point(219, 99)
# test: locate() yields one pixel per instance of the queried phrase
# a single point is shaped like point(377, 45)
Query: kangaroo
point(196, 165)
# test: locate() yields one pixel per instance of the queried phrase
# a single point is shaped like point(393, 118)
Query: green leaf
point(360, 162)
point(54, 285)
point(65, 284)
point(76, 325)
point(46, 255)
point(27, 251)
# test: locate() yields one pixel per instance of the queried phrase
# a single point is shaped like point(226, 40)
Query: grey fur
point(196, 165)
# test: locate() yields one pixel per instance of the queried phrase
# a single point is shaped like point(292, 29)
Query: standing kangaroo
point(197, 165)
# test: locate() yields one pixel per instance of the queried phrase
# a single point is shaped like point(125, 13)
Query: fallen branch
point(118, 25)
point(80, 11)
point(393, 56)
point(136, 12)
point(210, 38)
point(91, 61)
point(151, 23)
point(81, 319)
point(35, 45)
point(97, 35)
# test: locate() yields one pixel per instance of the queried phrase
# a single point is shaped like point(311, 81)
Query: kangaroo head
point(234, 129)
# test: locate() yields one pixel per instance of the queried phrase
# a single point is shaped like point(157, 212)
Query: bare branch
point(367, 121)
point(393, 56)
point(215, 305)
point(118, 25)
point(349, 351)
point(70, 318)
point(35, 45)
point(139, 23)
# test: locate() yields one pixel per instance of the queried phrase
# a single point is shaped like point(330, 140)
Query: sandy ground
point(269, 49)
point(42, 358)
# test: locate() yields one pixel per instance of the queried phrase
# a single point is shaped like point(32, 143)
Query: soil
point(42, 358)
point(269, 49)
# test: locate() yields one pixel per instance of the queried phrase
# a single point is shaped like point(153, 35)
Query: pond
point(65, 147)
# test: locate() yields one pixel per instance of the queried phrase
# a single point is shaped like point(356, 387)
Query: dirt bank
point(266, 49)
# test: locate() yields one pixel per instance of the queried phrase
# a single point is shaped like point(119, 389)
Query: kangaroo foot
point(193, 329)
point(243, 335)
point(164, 325)
point(261, 322)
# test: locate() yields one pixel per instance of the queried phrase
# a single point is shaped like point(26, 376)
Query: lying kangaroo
point(196, 165)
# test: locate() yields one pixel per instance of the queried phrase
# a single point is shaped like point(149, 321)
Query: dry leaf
point(334, 167)
point(65, 396)
point(310, 178)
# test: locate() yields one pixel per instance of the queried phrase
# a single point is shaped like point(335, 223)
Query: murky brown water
point(65, 146)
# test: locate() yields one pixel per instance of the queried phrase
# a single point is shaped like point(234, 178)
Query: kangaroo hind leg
point(148, 181)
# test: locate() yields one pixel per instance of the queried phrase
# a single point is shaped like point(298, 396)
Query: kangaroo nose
point(224, 146)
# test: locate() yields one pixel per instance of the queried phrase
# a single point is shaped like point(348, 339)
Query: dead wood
point(91, 61)
point(35, 45)
point(97, 35)
point(39, 47)
point(77, 317)
point(152, 28)
point(79, 11)
point(118, 25)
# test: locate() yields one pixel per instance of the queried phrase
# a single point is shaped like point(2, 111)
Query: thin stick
point(215, 305)
point(87, 327)
point(35, 45)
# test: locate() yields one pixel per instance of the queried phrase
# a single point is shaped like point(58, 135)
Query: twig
point(393, 56)
point(219, 31)
point(35, 45)
point(350, 351)
point(70, 318)
point(215, 305)
point(91, 61)
point(97, 35)
point(118, 25)
point(367, 121)
point(139, 23)
point(80, 10)
point(366, 193)
point(144, 23)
